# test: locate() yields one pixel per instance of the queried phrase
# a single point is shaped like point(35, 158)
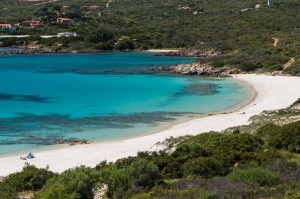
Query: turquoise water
point(50, 99)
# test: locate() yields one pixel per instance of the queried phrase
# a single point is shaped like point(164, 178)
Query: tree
point(144, 173)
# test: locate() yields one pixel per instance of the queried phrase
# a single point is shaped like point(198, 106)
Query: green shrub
point(266, 131)
point(74, 183)
point(7, 191)
point(204, 166)
point(30, 178)
point(255, 175)
point(286, 137)
point(123, 180)
point(9, 42)
point(118, 183)
point(214, 143)
point(144, 173)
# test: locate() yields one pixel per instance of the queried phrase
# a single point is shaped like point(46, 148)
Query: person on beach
point(29, 156)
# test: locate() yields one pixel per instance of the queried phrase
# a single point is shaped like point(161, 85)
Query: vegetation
point(74, 183)
point(234, 164)
point(285, 137)
point(257, 175)
point(30, 179)
point(242, 33)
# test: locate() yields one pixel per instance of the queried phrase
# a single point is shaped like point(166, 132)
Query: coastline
point(17, 50)
point(250, 96)
point(273, 92)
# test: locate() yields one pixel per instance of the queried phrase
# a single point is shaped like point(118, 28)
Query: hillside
point(247, 34)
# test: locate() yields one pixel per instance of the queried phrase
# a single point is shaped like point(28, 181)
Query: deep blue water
point(46, 99)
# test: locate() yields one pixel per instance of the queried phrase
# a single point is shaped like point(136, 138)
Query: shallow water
point(49, 99)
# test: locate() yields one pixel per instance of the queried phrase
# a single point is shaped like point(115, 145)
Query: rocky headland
point(200, 69)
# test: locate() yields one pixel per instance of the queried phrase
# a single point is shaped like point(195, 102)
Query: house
point(64, 20)
point(67, 34)
point(34, 23)
point(7, 27)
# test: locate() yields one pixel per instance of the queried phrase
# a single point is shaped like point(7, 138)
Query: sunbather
point(29, 156)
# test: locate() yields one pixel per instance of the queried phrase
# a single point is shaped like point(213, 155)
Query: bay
point(51, 99)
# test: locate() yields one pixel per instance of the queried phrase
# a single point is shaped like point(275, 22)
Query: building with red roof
point(7, 26)
point(64, 20)
point(34, 23)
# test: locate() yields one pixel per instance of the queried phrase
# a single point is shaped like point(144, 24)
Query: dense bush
point(208, 155)
point(31, 178)
point(8, 191)
point(215, 142)
point(286, 137)
point(144, 174)
point(255, 175)
point(74, 183)
point(8, 42)
point(128, 175)
point(118, 182)
point(204, 166)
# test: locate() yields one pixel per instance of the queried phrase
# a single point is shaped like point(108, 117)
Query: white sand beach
point(273, 92)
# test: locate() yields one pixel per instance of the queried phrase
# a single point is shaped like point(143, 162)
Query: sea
point(47, 100)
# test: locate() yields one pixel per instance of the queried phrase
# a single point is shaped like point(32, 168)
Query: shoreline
point(15, 50)
point(250, 96)
point(273, 92)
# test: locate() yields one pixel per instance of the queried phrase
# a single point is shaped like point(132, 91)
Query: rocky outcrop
point(289, 63)
point(194, 53)
point(201, 70)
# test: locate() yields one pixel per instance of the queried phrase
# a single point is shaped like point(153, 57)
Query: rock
point(99, 193)
point(194, 53)
point(200, 69)
point(276, 73)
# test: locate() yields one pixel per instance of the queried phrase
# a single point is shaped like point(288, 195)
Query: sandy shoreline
point(273, 92)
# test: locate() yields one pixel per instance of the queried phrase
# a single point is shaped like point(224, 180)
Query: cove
point(50, 99)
